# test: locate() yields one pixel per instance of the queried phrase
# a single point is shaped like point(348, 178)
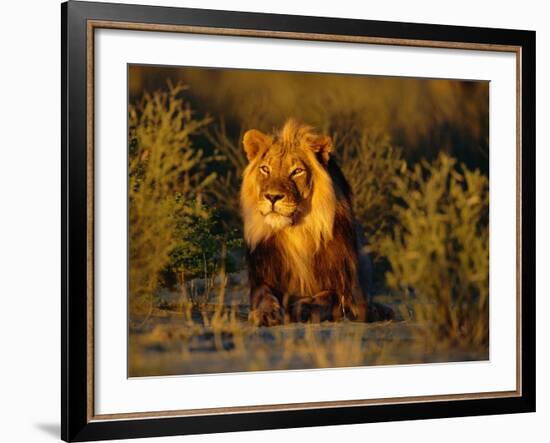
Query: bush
point(438, 251)
point(201, 244)
point(231, 163)
point(165, 169)
point(370, 164)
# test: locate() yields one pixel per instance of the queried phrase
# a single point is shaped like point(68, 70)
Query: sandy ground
point(217, 338)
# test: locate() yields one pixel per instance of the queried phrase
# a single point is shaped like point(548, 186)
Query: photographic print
point(296, 220)
point(292, 221)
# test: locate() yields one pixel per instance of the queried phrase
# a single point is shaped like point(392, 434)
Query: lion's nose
point(274, 197)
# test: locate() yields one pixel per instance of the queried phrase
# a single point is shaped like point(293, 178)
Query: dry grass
point(198, 337)
point(203, 328)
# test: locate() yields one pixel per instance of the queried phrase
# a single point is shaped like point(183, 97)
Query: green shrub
point(201, 242)
point(438, 251)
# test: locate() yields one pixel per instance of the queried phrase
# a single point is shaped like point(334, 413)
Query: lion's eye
point(264, 170)
point(298, 171)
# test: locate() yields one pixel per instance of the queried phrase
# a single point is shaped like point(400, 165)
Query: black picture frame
point(76, 422)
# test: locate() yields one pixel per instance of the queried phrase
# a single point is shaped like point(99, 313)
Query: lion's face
point(284, 186)
point(286, 183)
point(283, 171)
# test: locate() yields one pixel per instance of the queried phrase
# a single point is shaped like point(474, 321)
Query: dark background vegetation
point(423, 116)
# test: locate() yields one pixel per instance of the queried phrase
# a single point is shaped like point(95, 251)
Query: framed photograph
point(277, 221)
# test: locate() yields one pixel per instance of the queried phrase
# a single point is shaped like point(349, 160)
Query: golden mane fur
point(296, 242)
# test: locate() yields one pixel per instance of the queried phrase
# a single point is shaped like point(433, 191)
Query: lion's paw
point(267, 310)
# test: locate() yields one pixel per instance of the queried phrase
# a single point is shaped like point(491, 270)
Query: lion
point(299, 230)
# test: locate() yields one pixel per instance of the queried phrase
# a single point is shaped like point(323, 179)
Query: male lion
point(299, 230)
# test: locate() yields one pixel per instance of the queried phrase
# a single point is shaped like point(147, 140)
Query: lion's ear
point(253, 142)
point(322, 146)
